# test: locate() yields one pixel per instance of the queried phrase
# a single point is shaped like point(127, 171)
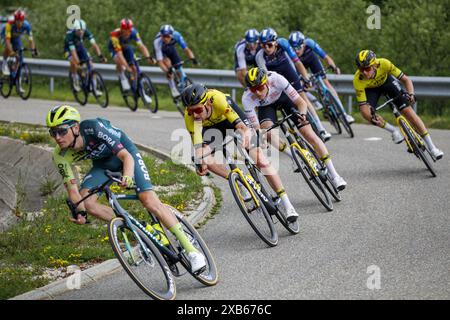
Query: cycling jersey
point(72, 41)
point(222, 110)
point(277, 86)
point(102, 142)
point(118, 42)
point(14, 34)
point(162, 49)
point(281, 61)
point(384, 69)
point(243, 57)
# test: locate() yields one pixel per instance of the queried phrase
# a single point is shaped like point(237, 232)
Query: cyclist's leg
point(171, 58)
point(213, 138)
point(95, 177)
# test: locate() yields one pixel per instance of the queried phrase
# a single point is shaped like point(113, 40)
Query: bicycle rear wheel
point(313, 181)
point(129, 97)
point(256, 215)
point(6, 87)
point(24, 82)
point(417, 146)
point(341, 116)
point(150, 272)
point(81, 95)
point(330, 114)
point(146, 87)
point(292, 227)
point(209, 276)
point(103, 98)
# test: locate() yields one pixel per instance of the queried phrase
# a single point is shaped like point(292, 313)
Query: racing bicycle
point(151, 256)
point(20, 76)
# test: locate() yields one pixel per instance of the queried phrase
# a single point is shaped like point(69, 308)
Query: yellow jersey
point(385, 68)
point(221, 111)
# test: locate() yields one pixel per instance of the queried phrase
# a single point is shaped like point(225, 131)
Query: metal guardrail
point(433, 87)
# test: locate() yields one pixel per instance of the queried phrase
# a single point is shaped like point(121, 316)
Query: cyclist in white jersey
point(269, 91)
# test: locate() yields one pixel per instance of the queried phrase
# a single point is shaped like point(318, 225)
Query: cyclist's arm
point(98, 52)
point(189, 53)
point(407, 83)
point(29, 33)
point(249, 108)
point(301, 69)
point(8, 31)
point(143, 49)
point(128, 162)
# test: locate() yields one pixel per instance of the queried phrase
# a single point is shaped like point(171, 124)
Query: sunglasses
point(269, 44)
point(59, 131)
point(365, 69)
point(196, 110)
point(259, 88)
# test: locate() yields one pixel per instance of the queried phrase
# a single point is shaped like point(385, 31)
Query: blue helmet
point(268, 35)
point(251, 35)
point(296, 39)
point(166, 29)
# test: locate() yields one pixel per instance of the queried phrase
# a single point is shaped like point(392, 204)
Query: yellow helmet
point(255, 77)
point(365, 58)
point(62, 115)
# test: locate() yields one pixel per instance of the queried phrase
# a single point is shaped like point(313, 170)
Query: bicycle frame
point(324, 93)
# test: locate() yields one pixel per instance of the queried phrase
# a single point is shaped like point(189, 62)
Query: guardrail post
point(52, 85)
point(233, 94)
point(350, 103)
point(415, 107)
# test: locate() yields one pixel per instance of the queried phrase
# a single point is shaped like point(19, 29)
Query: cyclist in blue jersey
point(167, 56)
point(75, 51)
point(11, 34)
point(278, 55)
point(245, 52)
point(309, 52)
point(109, 148)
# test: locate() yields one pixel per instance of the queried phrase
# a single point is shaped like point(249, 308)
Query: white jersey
point(277, 85)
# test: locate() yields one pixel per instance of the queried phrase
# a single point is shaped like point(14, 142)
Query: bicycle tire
point(341, 117)
point(6, 87)
point(417, 149)
point(80, 96)
point(313, 181)
point(169, 290)
point(144, 80)
point(129, 97)
point(326, 181)
point(266, 189)
point(330, 114)
point(209, 276)
point(102, 100)
point(271, 239)
point(20, 80)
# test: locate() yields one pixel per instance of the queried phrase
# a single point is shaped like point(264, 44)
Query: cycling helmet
point(268, 35)
point(255, 77)
point(79, 25)
point(166, 29)
point(365, 59)
point(126, 24)
point(62, 115)
point(19, 15)
point(296, 39)
point(251, 35)
point(193, 95)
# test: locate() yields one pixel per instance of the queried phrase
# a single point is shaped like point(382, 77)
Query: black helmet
point(193, 94)
point(365, 58)
point(255, 77)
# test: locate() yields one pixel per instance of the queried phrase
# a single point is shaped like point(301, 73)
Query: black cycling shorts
point(390, 88)
point(269, 112)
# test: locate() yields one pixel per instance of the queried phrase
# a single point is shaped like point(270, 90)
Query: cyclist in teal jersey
point(108, 148)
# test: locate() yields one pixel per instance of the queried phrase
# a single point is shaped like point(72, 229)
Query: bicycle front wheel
point(313, 181)
point(144, 264)
point(99, 89)
point(209, 276)
point(148, 93)
point(330, 114)
point(23, 84)
point(256, 214)
point(417, 146)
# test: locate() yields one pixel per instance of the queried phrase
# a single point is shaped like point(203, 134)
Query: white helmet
point(79, 25)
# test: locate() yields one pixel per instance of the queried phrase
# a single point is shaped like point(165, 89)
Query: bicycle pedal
point(297, 170)
point(200, 271)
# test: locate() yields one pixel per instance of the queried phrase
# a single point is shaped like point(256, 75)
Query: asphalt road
point(394, 217)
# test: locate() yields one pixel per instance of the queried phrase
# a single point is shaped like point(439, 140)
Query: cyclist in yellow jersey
point(210, 113)
point(378, 76)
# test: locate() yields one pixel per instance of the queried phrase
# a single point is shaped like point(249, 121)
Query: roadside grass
point(35, 252)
